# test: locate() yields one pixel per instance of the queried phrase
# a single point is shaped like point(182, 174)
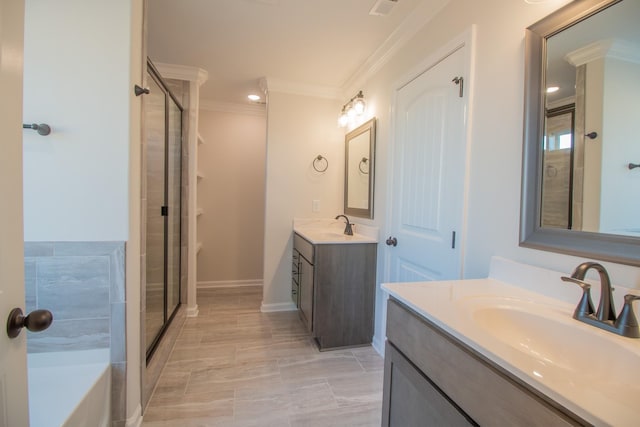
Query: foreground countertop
point(590, 372)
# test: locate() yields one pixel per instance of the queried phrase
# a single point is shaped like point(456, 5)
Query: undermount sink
point(557, 347)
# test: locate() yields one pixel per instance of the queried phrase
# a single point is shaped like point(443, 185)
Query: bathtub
point(70, 389)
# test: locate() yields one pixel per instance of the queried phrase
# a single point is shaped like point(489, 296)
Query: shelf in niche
point(200, 139)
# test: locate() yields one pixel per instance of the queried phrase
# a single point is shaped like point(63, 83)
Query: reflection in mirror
point(359, 168)
point(595, 65)
point(582, 88)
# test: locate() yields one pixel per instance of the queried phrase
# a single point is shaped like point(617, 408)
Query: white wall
point(77, 56)
point(231, 195)
point(299, 128)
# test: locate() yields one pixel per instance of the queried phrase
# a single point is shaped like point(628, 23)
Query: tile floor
point(235, 366)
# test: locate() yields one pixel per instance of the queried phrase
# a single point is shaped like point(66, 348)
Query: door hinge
point(459, 81)
point(164, 211)
point(453, 240)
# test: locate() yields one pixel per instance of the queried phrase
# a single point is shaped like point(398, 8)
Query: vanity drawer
point(484, 390)
point(304, 247)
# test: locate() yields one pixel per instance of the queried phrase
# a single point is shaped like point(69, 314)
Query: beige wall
point(231, 195)
point(300, 128)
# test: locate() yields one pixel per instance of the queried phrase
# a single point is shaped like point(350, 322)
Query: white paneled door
point(426, 214)
point(13, 362)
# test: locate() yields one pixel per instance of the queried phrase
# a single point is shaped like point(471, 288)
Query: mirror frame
point(605, 247)
point(369, 125)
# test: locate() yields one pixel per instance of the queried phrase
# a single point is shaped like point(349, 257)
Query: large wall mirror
point(580, 183)
point(359, 169)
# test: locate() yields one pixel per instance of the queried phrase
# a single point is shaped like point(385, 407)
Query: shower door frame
point(154, 74)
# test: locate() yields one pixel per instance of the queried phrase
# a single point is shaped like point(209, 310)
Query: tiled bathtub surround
point(83, 285)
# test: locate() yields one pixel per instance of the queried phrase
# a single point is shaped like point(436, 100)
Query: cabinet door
point(306, 293)
point(410, 399)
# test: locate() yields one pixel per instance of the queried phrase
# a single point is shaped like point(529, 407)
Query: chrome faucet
point(605, 317)
point(347, 230)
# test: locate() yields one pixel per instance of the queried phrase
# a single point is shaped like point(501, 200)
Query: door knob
point(392, 241)
point(36, 321)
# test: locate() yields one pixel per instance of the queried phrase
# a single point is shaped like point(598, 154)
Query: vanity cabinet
point(337, 291)
point(431, 378)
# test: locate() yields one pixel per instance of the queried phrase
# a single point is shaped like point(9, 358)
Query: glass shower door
point(174, 183)
point(163, 127)
point(155, 127)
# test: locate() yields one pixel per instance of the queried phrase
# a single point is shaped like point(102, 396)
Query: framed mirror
point(359, 170)
point(580, 186)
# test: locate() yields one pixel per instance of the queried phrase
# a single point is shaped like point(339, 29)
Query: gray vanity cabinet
point(413, 400)
point(433, 379)
point(337, 303)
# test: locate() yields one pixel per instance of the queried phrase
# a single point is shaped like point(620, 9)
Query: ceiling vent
point(382, 7)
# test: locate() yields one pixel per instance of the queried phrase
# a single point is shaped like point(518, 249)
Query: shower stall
point(162, 210)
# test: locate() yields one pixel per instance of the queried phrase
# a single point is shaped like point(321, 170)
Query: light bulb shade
point(358, 104)
point(351, 111)
point(343, 120)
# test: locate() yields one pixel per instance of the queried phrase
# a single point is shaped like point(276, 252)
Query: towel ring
point(363, 161)
point(319, 159)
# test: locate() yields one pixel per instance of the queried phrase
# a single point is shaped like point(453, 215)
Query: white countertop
point(594, 373)
point(331, 231)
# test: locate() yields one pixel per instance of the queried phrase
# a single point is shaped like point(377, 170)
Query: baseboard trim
point(135, 420)
point(228, 283)
point(378, 345)
point(193, 311)
point(280, 306)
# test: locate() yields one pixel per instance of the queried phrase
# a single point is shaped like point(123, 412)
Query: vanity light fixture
point(355, 107)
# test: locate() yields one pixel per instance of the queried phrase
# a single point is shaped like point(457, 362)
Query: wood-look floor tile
point(362, 416)
point(210, 410)
point(275, 348)
point(234, 366)
point(319, 365)
point(357, 390)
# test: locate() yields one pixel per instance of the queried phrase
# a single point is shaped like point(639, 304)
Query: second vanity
point(333, 282)
point(504, 351)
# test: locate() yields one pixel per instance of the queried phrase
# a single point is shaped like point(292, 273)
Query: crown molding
point(407, 29)
point(611, 48)
point(270, 84)
point(182, 72)
point(233, 107)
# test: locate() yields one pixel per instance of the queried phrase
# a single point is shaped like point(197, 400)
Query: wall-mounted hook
point(42, 128)
point(319, 159)
point(592, 135)
point(138, 90)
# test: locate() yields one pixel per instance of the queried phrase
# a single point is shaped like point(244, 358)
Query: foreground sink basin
point(557, 347)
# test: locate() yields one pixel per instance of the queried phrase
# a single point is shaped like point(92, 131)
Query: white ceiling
point(306, 42)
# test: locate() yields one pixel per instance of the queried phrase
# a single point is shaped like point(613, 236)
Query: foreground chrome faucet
point(347, 230)
point(605, 318)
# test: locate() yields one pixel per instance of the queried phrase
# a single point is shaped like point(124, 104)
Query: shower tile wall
point(83, 285)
